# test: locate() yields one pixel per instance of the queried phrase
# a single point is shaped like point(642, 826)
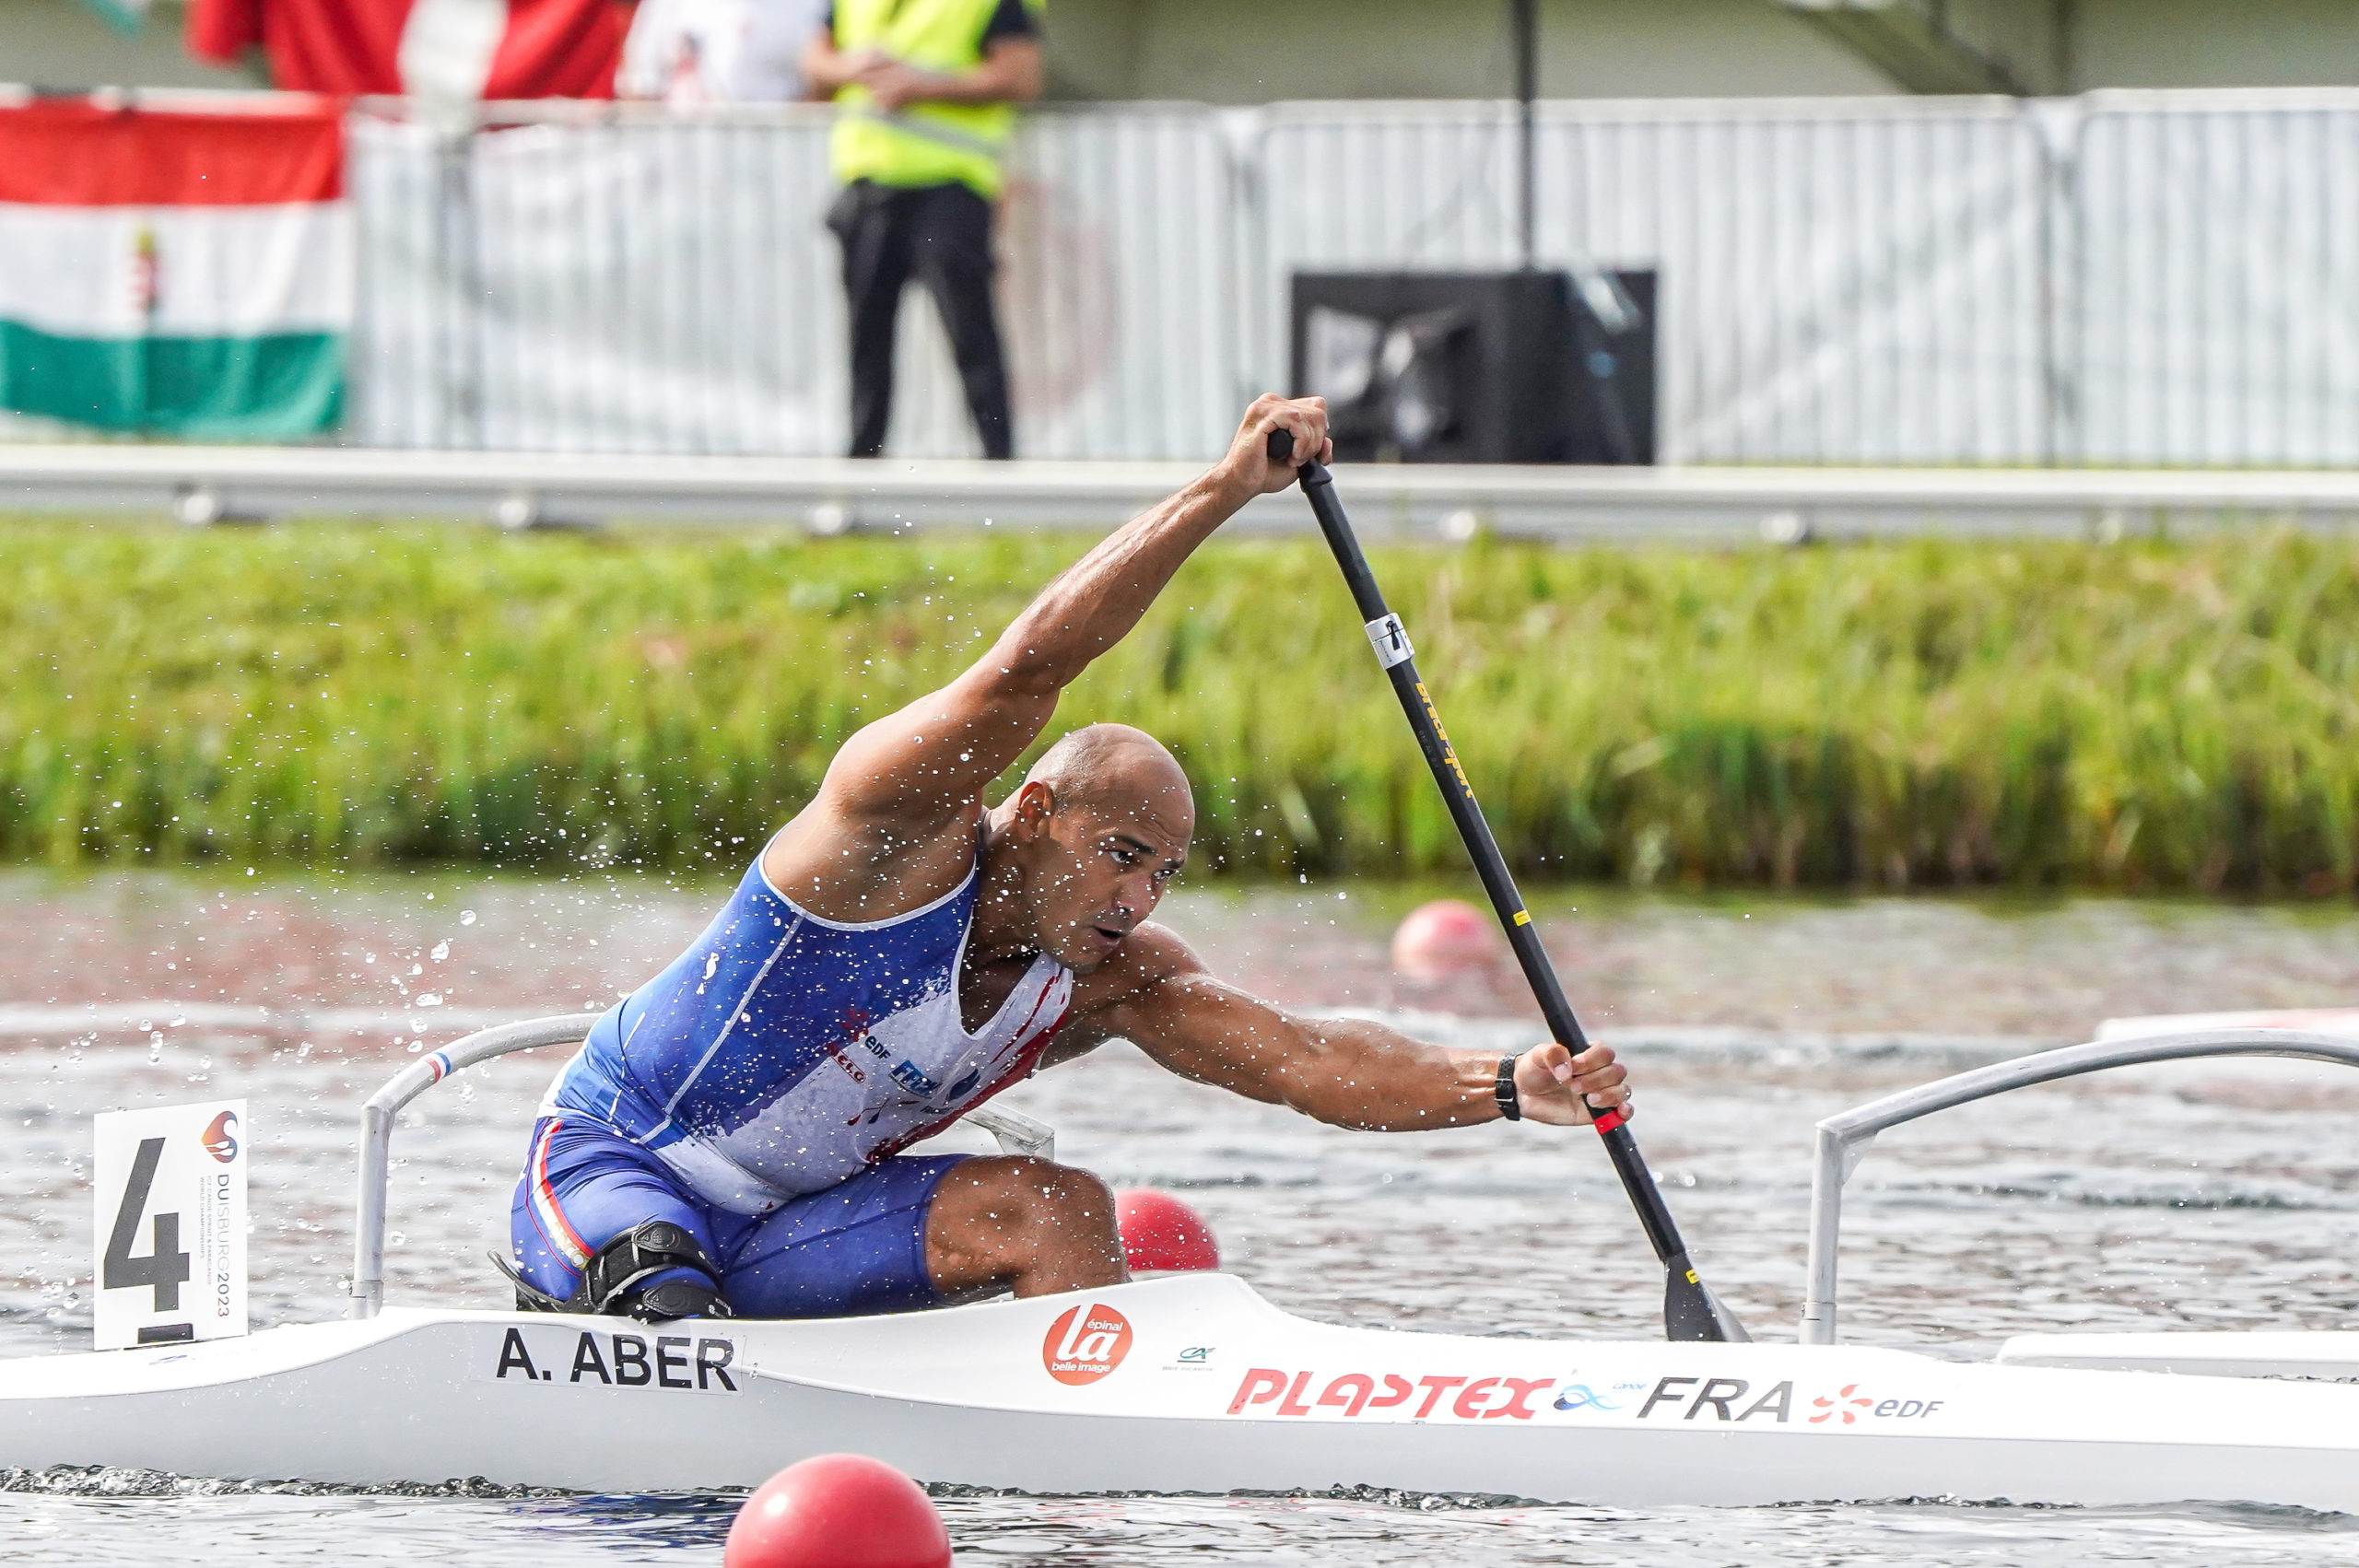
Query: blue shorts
point(853, 1249)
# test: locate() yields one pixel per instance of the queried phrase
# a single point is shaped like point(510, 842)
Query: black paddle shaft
point(1689, 1310)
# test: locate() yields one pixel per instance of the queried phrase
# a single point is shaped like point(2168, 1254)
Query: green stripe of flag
point(123, 16)
point(276, 387)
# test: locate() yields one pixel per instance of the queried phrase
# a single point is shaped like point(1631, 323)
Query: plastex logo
point(221, 1138)
point(1085, 1345)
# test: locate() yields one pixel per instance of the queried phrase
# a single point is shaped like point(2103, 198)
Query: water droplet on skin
point(441, 950)
point(466, 917)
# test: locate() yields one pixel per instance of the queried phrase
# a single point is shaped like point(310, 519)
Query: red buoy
point(1445, 936)
point(1161, 1233)
point(838, 1511)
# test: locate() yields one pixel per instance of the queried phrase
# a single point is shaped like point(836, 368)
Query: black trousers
point(943, 234)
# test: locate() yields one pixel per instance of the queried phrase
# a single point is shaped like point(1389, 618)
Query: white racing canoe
point(1190, 1383)
point(1193, 1382)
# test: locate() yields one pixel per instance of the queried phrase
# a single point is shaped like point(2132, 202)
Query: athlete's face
point(1094, 872)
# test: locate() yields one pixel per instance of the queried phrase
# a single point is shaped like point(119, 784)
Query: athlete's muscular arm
point(939, 751)
point(878, 834)
point(1350, 1072)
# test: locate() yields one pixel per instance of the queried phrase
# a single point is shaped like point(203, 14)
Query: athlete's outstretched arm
point(1350, 1072)
point(934, 758)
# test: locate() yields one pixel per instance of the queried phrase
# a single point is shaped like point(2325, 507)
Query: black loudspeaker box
point(1507, 367)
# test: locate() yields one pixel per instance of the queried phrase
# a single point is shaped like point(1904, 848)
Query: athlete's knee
point(1019, 1193)
point(1076, 1198)
point(1028, 1223)
point(1028, 1179)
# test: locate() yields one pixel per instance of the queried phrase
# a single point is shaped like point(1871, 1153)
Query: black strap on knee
point(613, 1283)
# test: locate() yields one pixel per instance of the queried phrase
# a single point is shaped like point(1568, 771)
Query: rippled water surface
point(2190, 1196)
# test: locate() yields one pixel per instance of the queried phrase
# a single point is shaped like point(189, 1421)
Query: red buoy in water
point(1445, 936)
point(1161, 1233)
point(838, 1511)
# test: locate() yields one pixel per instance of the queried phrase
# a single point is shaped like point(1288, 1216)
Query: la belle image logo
point(1085, 1345)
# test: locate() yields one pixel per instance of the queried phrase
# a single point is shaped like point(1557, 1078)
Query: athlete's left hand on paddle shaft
point(1551, 1082)
point(1248, 471)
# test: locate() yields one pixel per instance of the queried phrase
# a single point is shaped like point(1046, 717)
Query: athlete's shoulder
point(1149, 956)
point(846, 868)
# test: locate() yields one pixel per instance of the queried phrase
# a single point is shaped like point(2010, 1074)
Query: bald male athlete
point(728, 1138)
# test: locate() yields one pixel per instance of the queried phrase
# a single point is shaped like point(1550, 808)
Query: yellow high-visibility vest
point(920, 144)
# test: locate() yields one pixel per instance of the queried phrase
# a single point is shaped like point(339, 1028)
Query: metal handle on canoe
point(1844, 1136)
point(377, 1130)
point(1690, 1310)
point(1016, 1134)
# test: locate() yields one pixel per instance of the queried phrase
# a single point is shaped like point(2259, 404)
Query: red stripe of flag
point(568, 1241)
point(72, 152)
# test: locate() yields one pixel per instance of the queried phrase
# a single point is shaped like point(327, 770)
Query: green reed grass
point(2144, 715)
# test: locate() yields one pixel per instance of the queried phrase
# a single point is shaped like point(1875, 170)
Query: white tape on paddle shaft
point(170, 1190)
point(1390, 641)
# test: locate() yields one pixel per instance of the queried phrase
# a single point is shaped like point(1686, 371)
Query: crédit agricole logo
point(1085, 1345)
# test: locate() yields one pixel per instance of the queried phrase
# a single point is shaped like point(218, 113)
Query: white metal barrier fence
point(2213, 317)
point(1852, 282)
point(2124, 278)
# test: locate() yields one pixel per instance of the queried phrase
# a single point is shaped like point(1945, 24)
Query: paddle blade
point(1691, 1312)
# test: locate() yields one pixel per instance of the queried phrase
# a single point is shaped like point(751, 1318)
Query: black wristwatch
point(1503, 1090)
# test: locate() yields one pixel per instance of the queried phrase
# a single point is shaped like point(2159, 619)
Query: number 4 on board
point(167, 1267)
point(167, 1212)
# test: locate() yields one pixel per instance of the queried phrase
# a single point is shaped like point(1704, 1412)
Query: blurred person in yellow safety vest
point(925, 93)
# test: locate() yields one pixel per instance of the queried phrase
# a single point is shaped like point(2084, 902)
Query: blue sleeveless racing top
point(782, 1053)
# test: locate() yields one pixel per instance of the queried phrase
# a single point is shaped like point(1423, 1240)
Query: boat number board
point(168, 1190)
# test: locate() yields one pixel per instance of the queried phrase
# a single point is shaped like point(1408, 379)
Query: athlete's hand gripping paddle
point(1690, 1311)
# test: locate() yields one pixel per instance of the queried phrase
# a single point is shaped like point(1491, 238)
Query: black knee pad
point(613, 1282)
point(678, 1298)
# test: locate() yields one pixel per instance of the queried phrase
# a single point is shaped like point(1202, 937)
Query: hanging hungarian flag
point(176, 273)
